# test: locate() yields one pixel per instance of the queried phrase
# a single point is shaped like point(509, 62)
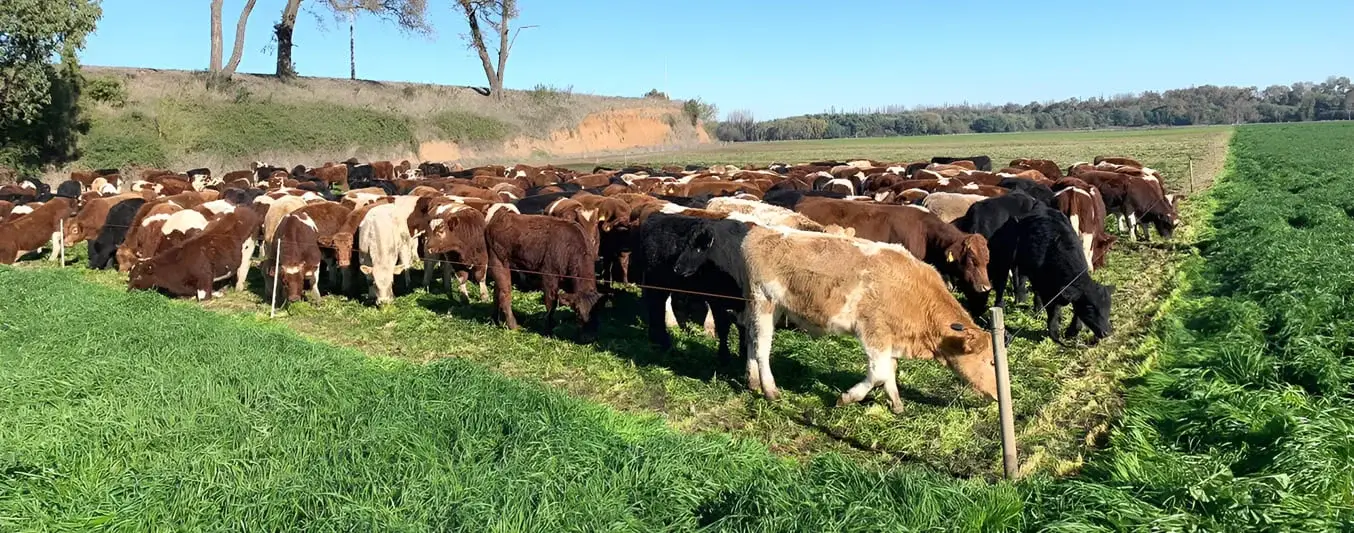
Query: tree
point(497, 15)
point(408, 15)
point(238, 51)
point(282, 32)
point(40, 118)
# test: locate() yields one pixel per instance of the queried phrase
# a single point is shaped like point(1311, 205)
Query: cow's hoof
point(771, 394)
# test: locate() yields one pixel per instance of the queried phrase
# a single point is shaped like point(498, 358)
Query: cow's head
point(966, 350)
point(969, 257)
point(585, 304)
point(293, 278)
point(695, 252)
point(74, 232)
point(1092, 308)
point(142, 276)
point(343, 248)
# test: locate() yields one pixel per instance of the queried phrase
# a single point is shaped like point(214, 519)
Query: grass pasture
point(1222, 403)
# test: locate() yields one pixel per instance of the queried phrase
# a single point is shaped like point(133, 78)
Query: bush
point(106, 91)
point(246, 128)
point(129, 140)
point(543, 94)
point(697, 110)
point(464, 127)
point(656, 94)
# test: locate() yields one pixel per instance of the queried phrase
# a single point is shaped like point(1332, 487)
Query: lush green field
point(1239, 414)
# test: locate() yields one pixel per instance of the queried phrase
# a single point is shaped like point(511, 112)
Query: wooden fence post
point(1009, 460)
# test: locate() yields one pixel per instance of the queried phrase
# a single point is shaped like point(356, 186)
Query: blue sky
point(787, 57)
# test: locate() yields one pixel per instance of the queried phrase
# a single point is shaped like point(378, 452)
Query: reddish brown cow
point(557, 251)
point(592, 180)
point(32, 231)
point(712, 188)
point(1135, 200)
point(456, 241)
point(237, 175)
point(574, 211)
point(1117, 161)
point(1086, 209)
point(191, 268)
point(89, 221)
point(299, 258)
point(1047, 167)
point(961, 256)
point(334, 175)
point(5, 209)
point(342, 239)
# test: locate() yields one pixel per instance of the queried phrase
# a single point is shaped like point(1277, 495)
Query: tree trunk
point(352, 44)
point(477, 42)
point(238, 51)
point(215, 63)
point(504, 46)
point(283, 31)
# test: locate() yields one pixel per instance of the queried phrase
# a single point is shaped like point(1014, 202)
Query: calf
point(144, 235)
point(456, 242)
point(893, 303)
point(557, 251)
point(1135, 200)
point(949, 206)
point(298, 258)
point(191, 268)
point(90, 220)
point(1043, 245)
point(113, 233)
point(30, 232)
point(1046, 167)
point(385, 248)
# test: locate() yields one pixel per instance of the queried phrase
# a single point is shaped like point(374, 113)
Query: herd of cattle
point(861, 247)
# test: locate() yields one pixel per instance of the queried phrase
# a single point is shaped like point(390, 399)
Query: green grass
point(466, 127)
point(123, 140)
point(129, 412)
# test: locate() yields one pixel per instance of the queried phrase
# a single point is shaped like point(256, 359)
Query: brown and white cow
point(193, 267)
point(89, 221)
point(896, 305)
point(455, 243)
point(1086, 209)
point(30, 232)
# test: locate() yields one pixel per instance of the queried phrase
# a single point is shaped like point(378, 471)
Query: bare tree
point(497, 15)
point(238, 51)
point(215, 65)
point(283, 31)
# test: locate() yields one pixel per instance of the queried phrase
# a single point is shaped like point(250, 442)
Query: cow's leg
point(462, 281)
point(669, 318)
point(345, 279)
point(889, 368)
point(1055, 313)
point(503, 293)
point(764, 329)
point(656, 304)
point(1120, 218)
point(315, 284)
point(880, 361)
point(710, 325)
point(478, 273)
point(1000, 276)
point(624, 261)
point(1133, 226)
point(722, 322)
point(550, 297)
point(1074, 328)
point(1086, 240)
point(430, 272)
point(1021, 285)
point(242, 272)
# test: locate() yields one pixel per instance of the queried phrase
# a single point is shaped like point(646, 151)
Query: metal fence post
point(1191, 175)
point(1009, 460)
point(60, 250)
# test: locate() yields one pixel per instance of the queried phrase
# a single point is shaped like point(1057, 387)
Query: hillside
point(149, 117)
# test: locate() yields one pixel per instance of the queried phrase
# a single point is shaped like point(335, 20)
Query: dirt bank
point(603, 132)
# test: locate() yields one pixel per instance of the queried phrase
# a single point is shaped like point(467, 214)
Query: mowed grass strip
point(131, 412)
point(1064, 397)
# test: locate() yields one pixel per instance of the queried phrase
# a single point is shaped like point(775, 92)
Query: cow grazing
point(1135, 200)
point(29, 233)
point(554, 250)
point(90, 220)
point(194, 266)
point(385, 247)
point(980, 162)
point(1086, 210)
point(1046, 167)
point(949, 206)
point(959, 255)
point(1125, 161)
point(860, 295)
point(1043, 246)
point(144, 236)
point(113, 233)
point(298, 258)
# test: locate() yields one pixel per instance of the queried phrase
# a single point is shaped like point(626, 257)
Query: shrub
point(106, 91)
point(697, 110)
point(128, 140)
point(656, 94)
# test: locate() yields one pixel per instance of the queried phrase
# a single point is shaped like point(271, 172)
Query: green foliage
point(547, 95)
point(1208, 104)
point(40, 115)
point(464, 127)
point(126, 140)
point(221, 420)
point(109, 91)
point(1247, 425)
point(246, 128)
point(656, 94)
point(697, 110)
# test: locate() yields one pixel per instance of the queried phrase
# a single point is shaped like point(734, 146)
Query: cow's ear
point(366, 269)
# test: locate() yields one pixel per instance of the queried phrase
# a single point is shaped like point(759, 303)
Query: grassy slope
point(171, 118)
point(1064, 397)
point(132, 412)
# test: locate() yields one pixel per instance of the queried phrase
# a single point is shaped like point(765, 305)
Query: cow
point(986, 218)
point(456, 245)
point(959, 255)
point(5, 209)
point(29, 233)
point(896, 305)
point(656, 250)
point(1136, 200)
point(980, 162)
point(90, 220)
point(1086, 210)
point(144, 235)
point(1046, 167)
point(1043, 245)
point(298, 258)
point(1114, 160)
point(555, 250)
point(949, 205)
point(384, 245)
point(192, 267)
point(113, 233)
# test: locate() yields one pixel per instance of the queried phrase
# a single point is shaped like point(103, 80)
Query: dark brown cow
point(589, 181)
point(712, 188)
point(383, 170)
point(1047, 167)
point(456, 242)
point(1135, 200)
point(961, 256)
point(237, 175)
point(32, 231)
point(574, 211)
point(554, 250)
point(127, 253)
point(191, 268)
point(298, 257)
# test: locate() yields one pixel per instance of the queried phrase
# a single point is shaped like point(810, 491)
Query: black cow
point(430, 169)
point(660, 240)
point(535, 205)
point(115, 227)
point(1039, 191)
point(986, 218)
point(69, 189)
point(199, 172)
point(1044, 246)
point(237, 196)
point(981, 161)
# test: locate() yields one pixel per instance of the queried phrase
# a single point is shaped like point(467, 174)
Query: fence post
point(1191, 175)
point(1008, 445)
point(277, 270)
point(60, 252)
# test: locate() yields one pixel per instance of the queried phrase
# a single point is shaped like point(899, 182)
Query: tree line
point(1332, 99)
